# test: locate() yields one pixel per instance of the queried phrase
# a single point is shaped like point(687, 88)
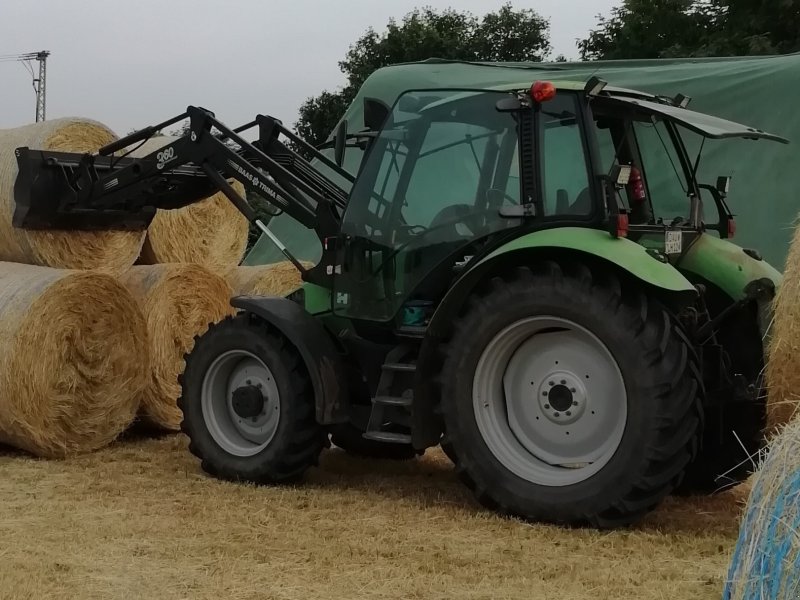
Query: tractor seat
point(581, 206)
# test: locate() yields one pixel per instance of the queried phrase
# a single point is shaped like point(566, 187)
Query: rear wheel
point(248, 405)
point(583, 406)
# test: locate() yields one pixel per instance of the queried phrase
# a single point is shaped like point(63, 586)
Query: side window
point(666, 183)
point(565, 175)
point(605, 143)
point(388, 178)
point(447, 172)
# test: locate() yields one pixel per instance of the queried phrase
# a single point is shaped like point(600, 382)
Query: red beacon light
point(543, 91)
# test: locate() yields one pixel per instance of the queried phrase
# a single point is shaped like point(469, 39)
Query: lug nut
point(569, 414)
point(544, 393)
point(556, 414)
point(573, 390)
point(574, 403)
point(551, 383)
point(249, 382)
point(563, 382)
point(547, 407)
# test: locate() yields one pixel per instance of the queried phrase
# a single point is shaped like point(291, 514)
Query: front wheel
point(583, 404)
point(248, 405)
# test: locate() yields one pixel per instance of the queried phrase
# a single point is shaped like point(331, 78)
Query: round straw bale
point(212, 232)
point(107, 250)
point(766, 561)
point(783, 353)
point(73, 359)
point(179, 301)
point(279, 279)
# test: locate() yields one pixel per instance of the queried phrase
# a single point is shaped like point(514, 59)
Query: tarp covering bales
point(761, 92)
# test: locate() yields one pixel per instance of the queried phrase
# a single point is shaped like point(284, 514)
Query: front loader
point(500, 278)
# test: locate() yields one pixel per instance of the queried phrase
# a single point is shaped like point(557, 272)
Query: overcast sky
point(131, 64)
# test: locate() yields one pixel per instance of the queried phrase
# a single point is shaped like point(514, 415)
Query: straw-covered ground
point(139, 520)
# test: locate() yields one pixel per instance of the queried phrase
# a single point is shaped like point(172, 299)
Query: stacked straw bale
point(766, 561)
point(212, 233)
point(783, 364)
point(108, 250)
point(179, 301)
point(279, 279)
point(73, 359)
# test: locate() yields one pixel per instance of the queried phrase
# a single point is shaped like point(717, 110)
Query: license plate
point(673, 242)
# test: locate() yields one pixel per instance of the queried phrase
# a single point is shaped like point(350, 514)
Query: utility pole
point(40, 85)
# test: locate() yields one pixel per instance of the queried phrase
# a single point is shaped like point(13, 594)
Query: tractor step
point(388, 437)
point(411, 332)
point(392, 401)
point(402, 367)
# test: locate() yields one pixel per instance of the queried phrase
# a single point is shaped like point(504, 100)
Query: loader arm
point(72, 191)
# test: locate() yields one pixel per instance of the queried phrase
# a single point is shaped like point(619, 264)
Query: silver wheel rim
point(550, 401)
point(240, 436)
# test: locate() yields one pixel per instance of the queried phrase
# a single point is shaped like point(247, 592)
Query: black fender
point(315, 346)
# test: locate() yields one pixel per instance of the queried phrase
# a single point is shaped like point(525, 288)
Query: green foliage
point(648, 29)
point(504, 35)
point(671, 28)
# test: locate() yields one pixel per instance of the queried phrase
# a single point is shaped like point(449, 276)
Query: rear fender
point(619, 253)
point(315, 346)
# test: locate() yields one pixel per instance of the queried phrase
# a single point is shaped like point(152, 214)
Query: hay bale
point(766, 561)
point(279, 279)
point(783, 352)
point(178, 301)
point(212, 232)
point(111, 250)
point(68, 383)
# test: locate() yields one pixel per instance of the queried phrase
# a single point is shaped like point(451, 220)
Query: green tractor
point(500, 278)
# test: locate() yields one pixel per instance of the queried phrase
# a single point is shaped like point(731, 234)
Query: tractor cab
point(451, 174)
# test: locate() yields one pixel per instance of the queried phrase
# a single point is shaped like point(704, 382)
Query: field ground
point(139, 520)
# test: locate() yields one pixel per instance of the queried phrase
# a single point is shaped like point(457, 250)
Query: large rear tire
point(248, 405)
point(568, 401)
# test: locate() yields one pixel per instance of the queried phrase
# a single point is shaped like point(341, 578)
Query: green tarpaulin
point(761, 92)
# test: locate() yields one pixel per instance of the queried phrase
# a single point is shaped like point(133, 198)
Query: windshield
point(433, 182)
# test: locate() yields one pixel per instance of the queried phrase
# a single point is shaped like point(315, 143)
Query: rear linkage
point(71, 191)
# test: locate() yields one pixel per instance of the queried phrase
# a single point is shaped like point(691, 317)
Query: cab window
point(565, 173)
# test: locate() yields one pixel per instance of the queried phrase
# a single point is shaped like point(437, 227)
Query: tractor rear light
point(543, 91)
point(731, 227)
point(622, 223)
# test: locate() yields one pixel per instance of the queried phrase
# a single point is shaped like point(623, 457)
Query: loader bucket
point(60, 190)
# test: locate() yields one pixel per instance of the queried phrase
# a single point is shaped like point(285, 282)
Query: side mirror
point(724, 185)
point(376, 113)
point(339, 142)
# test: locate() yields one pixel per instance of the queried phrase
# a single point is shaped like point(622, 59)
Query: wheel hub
point(550, 400)
point(241, 403)
point(247, 401)
point(562, 397)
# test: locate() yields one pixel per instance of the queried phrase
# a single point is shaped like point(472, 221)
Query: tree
point(669, 28)
point(649, 29)
point(504, 35)
point(750, 27)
